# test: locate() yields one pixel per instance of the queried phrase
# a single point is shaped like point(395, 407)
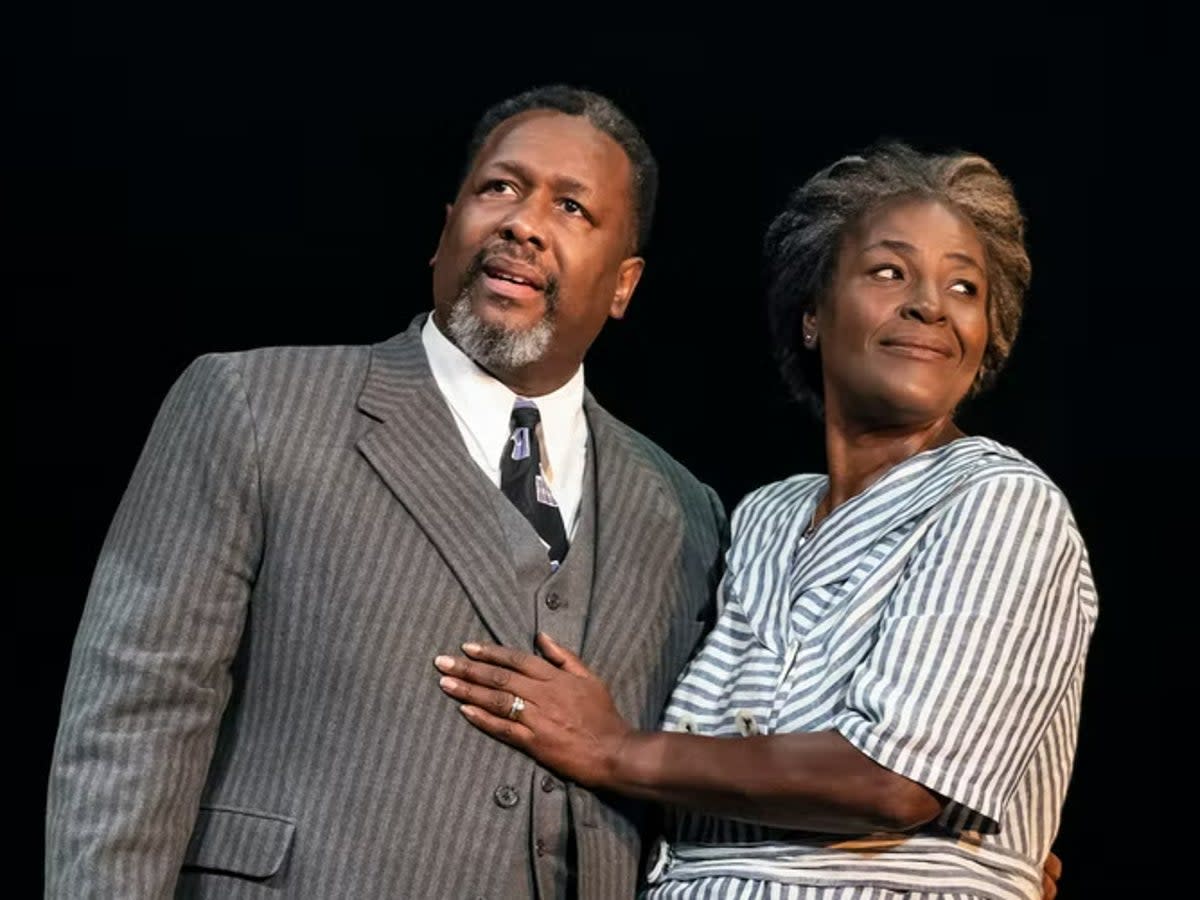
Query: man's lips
point(513, 272)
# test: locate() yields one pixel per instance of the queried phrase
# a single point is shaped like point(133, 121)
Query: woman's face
point(904, 326)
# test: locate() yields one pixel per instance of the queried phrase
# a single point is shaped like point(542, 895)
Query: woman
point(888, 703)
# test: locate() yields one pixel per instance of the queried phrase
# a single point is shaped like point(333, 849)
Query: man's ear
point(433, 259)
point(628, 275)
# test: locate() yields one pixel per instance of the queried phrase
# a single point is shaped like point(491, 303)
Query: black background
point(183, 182)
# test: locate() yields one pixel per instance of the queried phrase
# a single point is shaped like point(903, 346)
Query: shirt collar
point(485, 403)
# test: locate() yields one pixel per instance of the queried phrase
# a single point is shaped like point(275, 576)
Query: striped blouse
point(939, 621)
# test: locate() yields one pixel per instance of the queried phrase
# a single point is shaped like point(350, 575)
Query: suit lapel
point(416, 448)
point(638, 533)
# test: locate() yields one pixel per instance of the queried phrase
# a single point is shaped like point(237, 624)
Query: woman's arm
point(812, 781)
point(979, 650)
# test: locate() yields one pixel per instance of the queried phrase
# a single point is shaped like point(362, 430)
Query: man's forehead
point(551, 143)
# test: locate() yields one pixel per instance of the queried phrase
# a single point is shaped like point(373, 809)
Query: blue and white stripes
point(939, 621)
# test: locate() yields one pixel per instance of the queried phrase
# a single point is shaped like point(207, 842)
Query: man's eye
point(497, 187)
point(573, 207)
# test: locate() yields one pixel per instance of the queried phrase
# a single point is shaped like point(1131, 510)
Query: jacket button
point(506, 796)
point(548, 783)
point(554, 601)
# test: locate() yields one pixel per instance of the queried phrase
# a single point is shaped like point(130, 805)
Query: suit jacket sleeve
point(718, 569)
point(150, 669)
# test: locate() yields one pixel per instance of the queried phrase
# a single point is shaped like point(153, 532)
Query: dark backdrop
point(183, 182)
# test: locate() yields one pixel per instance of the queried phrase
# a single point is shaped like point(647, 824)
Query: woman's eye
point(887, 273)
point(966, 288)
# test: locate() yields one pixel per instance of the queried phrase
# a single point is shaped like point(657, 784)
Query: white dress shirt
point(482, 408)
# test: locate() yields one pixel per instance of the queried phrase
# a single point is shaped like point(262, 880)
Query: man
point(250, 711)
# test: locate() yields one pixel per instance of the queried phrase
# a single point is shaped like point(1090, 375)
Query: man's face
point(536, 254)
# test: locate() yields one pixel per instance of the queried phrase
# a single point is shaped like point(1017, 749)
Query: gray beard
point(493, 347)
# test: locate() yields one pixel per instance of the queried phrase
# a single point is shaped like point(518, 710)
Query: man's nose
point(525, 225)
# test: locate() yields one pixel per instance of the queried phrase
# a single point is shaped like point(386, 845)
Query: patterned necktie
point(522, 482)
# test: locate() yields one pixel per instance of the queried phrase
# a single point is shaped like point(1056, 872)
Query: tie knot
point(525, 414)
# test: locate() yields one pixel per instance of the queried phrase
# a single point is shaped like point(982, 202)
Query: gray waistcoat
point(560, 606)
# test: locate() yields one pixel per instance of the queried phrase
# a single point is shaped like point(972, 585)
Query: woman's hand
point(1051, 872)
point(567, 722)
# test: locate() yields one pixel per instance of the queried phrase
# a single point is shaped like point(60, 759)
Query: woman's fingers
point(561, 656)
point(485, 675)
point(1051, 872)
point(527, 664)
point(499, 703)
point(502, 728)
point(1053, 866)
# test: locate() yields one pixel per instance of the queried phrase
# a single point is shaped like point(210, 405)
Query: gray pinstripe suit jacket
point(251, 699)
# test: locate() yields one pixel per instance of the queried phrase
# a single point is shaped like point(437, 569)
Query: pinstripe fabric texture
point(939, 621)
point(251, 697)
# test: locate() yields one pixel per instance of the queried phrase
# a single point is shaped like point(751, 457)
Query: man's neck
point(544, 376)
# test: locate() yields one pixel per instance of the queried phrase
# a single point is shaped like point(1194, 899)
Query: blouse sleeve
point(982, 637)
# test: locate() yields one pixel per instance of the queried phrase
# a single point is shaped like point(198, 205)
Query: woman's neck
point(858, 457)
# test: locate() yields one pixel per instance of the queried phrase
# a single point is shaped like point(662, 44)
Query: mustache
point(475, 269)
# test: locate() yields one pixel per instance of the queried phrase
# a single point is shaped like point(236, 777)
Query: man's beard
point(495, 347)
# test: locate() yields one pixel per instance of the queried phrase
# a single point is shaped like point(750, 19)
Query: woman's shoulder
point(982, 460)
point(766, 504)
point(792, 489)
point(991, 475)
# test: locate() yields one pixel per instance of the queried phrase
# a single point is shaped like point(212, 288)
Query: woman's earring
point(810, 340)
